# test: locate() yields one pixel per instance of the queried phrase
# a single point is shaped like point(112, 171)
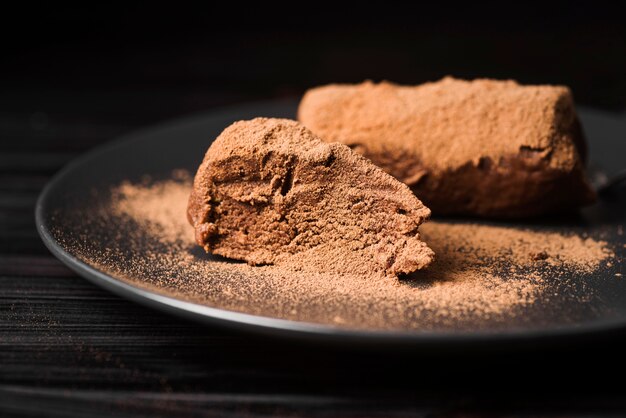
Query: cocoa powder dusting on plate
point(484, 275)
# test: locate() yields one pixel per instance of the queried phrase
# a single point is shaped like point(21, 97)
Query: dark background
point(74, 77)
point(167, 60)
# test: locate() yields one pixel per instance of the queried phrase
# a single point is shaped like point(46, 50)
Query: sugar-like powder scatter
point(484, 276)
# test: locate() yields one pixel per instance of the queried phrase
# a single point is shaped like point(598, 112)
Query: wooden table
point(68, 348)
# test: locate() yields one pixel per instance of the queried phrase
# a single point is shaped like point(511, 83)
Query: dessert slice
point(483, 147)
point(271, 192)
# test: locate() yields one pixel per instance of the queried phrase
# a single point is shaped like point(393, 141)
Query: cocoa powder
point(491, 148)
point(484, 277)
point(269, 192)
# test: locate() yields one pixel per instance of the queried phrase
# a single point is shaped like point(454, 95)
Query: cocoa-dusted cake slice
point(483, 147)
point(271, 192)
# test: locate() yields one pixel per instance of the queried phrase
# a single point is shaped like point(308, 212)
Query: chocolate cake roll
point(271, 192)
point(485, 147)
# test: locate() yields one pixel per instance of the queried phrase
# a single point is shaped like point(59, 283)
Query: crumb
point(542, 255)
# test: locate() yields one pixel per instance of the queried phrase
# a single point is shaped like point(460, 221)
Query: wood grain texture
point(69, 349)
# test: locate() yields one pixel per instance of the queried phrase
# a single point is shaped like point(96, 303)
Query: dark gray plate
point(156, 152)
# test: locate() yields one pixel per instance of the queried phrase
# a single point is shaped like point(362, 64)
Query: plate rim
point(263, 324)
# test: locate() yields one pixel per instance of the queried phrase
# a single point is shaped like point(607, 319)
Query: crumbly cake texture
point(270, 192)
point(482, 147)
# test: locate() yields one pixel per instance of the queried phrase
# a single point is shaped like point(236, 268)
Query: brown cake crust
point(271, 192)
point(482, 147)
